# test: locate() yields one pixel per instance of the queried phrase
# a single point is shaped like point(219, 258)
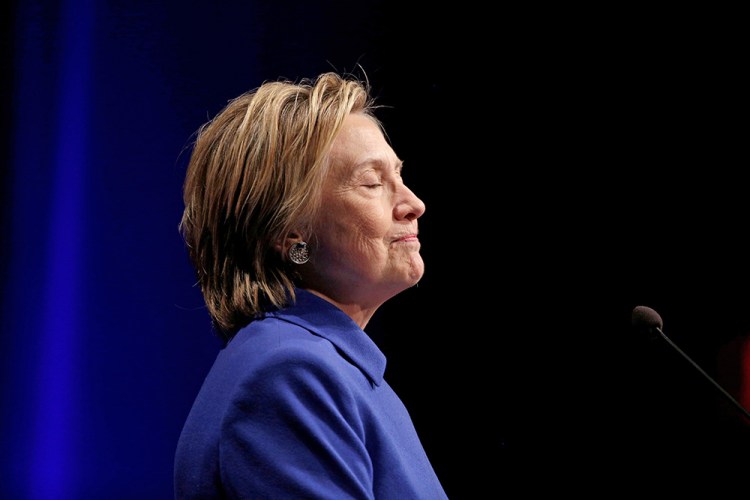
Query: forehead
point(360, 143)
point(358, 130)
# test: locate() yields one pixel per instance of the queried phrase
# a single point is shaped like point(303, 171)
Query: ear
point(282, 245)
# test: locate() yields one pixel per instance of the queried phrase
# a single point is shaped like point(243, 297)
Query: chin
point(406, 282)
point(416, 276)
point(406, 278)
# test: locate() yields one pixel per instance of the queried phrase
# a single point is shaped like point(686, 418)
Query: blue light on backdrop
point(55, 381)
point(105, 339)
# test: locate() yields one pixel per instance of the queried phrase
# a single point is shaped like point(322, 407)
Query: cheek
point(361, 235)
point(362, 221)
point(356, 236)
point(373, 224)
point(373, 229)
point(352, 224)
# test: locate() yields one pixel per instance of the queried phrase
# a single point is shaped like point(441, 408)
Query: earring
point(299, 253)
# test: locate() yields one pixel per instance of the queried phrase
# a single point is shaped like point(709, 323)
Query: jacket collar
point(325, 320)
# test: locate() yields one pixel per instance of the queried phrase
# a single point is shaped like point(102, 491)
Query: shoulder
point(273, 350)
point(284, 369)
point(272, 340)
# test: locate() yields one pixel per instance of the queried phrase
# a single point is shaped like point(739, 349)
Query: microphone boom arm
point(697, 367)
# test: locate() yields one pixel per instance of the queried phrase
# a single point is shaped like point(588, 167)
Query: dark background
point(575, 163)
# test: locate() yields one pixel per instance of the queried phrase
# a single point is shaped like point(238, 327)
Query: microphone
point(645, 318)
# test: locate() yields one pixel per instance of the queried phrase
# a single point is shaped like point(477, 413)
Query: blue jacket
point(295, 406)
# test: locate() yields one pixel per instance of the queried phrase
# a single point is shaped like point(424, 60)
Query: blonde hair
point(255, 174)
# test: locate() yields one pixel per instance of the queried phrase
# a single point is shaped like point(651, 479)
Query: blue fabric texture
point(296, 406)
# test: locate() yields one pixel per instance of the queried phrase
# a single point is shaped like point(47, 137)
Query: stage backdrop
point(105, 340)
point(574, 164)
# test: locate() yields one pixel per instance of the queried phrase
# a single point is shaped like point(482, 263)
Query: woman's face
point(366, 247)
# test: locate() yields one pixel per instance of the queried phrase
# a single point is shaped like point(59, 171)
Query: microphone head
point(646, 318)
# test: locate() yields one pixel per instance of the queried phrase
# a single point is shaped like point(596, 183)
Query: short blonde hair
point(255, 174)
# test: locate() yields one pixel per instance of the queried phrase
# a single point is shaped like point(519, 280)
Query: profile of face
point(366, 244)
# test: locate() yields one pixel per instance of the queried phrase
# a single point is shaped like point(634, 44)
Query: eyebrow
point(372, 162)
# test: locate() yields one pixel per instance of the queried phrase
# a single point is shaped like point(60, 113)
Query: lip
point(406, 238)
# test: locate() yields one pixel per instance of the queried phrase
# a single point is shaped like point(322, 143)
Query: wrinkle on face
point(359, 232)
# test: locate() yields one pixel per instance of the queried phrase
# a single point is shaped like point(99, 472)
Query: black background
point(575, 163)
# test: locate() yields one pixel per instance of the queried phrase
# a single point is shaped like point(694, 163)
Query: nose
point(409, 206)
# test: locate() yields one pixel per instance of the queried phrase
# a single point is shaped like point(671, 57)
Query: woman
point(300, 227)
